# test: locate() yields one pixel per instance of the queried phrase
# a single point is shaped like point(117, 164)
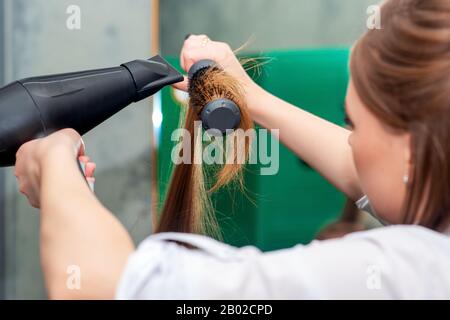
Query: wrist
point(255, 99)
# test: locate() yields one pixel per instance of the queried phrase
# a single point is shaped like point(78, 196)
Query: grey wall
point(36, 42)
point(271, 24)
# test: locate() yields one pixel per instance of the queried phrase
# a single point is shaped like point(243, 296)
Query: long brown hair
point(402, 74)
point(187, 206)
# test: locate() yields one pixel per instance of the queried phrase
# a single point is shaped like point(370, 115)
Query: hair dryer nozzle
point(152, 75)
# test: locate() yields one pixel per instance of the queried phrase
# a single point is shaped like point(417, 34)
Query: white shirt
point(395, 262)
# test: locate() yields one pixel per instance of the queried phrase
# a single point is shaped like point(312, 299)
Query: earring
point(406, 178)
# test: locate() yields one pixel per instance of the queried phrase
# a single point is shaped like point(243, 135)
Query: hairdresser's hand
point(199, 47)
point(37, 155)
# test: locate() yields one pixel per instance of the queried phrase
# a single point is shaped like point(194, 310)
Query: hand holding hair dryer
point(36, 107)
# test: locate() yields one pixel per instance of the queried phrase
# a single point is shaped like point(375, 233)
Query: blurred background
point(35, 40)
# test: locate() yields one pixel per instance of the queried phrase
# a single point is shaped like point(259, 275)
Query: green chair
point(288, 208)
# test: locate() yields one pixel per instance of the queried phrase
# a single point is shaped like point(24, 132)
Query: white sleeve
point(352, 267)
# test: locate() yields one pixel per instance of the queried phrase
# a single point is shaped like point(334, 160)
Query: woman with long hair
point(394, 162)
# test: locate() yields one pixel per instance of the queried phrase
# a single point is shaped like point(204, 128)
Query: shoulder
point(402, 237)
point(398, 262)
point(411, 245)
point(371, 264)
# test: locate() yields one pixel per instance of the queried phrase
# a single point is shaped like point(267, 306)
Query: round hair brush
point(214, 96)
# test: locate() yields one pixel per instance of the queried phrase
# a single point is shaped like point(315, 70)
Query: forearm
point(76, 230)
point(320, 143)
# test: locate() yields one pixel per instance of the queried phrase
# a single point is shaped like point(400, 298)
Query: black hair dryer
point(36, 107)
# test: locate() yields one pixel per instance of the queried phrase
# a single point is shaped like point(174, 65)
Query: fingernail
point(84, 159)
point(90, 168)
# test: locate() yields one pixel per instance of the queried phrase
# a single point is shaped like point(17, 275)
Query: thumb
point(182, 85)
